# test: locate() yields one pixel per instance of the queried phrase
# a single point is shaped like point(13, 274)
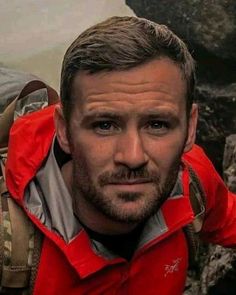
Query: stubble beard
point(84, 188)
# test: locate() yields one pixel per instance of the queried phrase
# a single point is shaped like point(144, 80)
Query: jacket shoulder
point(29, 142)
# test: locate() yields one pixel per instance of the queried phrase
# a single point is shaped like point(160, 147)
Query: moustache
point(126, 174)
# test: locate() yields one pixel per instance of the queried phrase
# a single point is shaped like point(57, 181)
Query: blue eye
point(158, 124)
point(157, 127)
point(105, 127)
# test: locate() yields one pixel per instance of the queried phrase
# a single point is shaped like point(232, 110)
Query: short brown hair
point(121, 43)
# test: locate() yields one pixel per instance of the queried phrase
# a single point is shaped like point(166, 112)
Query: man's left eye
point(104, 125)
point(157, 126)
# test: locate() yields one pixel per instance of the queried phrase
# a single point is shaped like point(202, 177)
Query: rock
point(217, 119)
point(208, 24)
point(218, 276)
point(229, 163)
point(191, 286)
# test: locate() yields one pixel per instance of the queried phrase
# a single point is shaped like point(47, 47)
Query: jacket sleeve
point(219, 226)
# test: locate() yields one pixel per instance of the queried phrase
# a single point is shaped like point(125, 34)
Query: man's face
point(127, 133)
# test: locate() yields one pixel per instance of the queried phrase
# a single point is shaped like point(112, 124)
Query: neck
point(97, 221)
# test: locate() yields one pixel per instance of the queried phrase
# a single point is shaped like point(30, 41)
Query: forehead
point(158, 82)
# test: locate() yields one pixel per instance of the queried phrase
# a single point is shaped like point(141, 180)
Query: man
point(110, 191)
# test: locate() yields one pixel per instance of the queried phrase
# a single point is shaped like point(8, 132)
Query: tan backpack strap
point(38, 240)
point(3, 158)
point(17, 230)
point(21, 245)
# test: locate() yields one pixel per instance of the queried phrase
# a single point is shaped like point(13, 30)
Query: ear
point(61, 129)
point(192, 127)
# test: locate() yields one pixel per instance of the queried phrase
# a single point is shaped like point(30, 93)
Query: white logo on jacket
point(173, 267)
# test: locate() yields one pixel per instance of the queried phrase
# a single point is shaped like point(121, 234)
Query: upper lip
point(131, 181)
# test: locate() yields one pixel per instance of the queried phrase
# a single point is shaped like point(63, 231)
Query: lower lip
point(130, 187)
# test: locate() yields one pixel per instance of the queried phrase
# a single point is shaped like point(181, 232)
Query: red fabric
point(158, 267)
point(27, 149)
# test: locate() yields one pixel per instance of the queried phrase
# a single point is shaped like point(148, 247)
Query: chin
point(133, 211)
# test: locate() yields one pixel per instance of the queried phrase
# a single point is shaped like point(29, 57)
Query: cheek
point(165, 152)
point(96, 154)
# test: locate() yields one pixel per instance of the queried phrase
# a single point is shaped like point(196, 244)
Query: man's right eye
point(104, 127)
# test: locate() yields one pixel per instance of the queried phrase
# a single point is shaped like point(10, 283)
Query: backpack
point(20, 240)
point(19, 265)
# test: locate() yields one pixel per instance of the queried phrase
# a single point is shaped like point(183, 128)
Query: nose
point(130, 150)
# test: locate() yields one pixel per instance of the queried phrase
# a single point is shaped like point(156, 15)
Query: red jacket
point(159, 265)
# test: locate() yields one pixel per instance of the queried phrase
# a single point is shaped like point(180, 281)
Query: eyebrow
point(96, 115)
point(153, 114)
point(162, 114)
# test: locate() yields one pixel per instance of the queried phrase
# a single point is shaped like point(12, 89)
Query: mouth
point(136, 185)
point(130, 182)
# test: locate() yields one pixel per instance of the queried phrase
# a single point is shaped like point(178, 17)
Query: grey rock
point(219, 274)
point(217, 119)
point(208, 24)
point(229, 163)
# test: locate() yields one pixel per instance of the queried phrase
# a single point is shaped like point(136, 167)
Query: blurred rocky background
point(209, 29)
